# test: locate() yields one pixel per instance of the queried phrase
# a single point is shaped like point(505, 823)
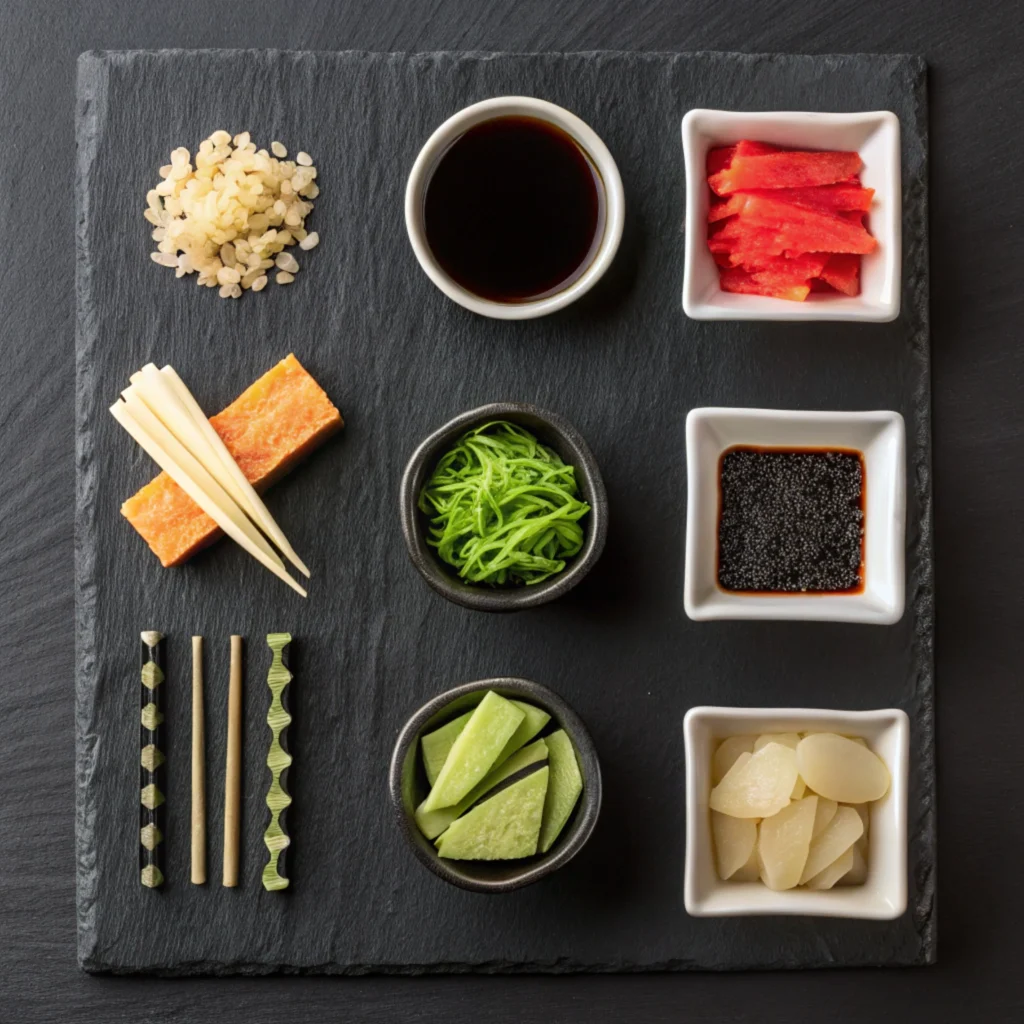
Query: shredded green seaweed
point(503, 508)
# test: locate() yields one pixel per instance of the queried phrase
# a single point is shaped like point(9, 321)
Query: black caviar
point(791, 520)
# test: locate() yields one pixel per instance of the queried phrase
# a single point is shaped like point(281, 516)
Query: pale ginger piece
point(840, 769)
point(838, 869)
point(840, 834)
point(865, 816)
point(864, 810)
point(751, 871)
point(787, 739)
point(758, 785)
point(737, 766)
point(735, 839)
point(725, 756)
point(858, 874)
point(825, 813)
point(784, 841)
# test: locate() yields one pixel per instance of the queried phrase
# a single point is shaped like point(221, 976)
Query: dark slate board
point(372, 641)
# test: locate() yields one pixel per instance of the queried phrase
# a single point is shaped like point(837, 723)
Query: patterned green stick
point(278, 761)
point(151, 762)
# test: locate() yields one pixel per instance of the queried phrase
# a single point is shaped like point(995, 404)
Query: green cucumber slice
point(505, 827)
point(564, 789)
point(475, 750)
point(433, 823)
point(532, 723)
point(436, 745)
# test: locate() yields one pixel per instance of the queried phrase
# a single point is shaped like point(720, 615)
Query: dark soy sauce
point(514, 210)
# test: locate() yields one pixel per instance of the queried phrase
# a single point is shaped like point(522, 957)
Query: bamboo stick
point(233, 768)
point(198, 766)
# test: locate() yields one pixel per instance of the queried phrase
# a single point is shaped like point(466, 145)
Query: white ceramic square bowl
point(880, 436)
point(875, 135)
point(882, 897)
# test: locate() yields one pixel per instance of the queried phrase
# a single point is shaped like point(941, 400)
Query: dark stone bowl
point(408, 784)
point(557, 434)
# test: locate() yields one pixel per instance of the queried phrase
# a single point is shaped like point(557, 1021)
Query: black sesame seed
point(791, 521)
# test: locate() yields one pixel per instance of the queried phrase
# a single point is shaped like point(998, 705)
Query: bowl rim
point(798, 903)
point(752, 307)
point(489, 109)
point(478, 598)
point(568, 844)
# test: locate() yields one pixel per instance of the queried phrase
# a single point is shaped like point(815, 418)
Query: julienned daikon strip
point(202, 489)
point(164, 403)
point(254, 507)
point(172, 402)
point(170, 444)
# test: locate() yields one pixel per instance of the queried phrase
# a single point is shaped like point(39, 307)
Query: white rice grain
point(229, 213)
point(286, 261)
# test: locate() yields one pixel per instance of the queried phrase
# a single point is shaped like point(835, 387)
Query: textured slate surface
point(373, 642)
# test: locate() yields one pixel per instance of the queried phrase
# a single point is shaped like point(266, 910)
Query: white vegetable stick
point(260, 513)
point(164, 403)
point(213, 507)
point(177, 451)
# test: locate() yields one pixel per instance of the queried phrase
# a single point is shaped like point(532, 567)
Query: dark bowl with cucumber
point(503, 508)
point(495, 784)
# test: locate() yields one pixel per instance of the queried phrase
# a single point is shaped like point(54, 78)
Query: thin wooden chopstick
point(233, 768)
point(198, 766)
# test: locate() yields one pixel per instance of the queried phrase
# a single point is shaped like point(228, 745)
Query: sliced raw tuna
point(733, 279)
point(726, 207)
point(807, 230)
point(746, 147)
point(842, 272)
point(719, 158)
point(819, 284)
point(788, 222)
point(735, 239)
point(820, 197)
point(781, 270)
point(784, 170)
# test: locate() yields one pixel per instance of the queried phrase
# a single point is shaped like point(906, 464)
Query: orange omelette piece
point(269, 428)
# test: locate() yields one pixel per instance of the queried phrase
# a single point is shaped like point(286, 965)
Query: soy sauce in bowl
point(514, 210)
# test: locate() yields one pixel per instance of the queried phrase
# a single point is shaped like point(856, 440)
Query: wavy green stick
point(278, 761)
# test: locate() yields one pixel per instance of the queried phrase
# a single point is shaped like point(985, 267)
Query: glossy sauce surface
point(514, 210)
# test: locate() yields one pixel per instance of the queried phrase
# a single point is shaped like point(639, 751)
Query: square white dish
point(873, 134)
point(880, 436)
point(882, 897)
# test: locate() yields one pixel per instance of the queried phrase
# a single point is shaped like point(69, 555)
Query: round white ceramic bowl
point(584, 136)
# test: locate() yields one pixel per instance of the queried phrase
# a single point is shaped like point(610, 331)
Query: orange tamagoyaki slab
point(275, 423)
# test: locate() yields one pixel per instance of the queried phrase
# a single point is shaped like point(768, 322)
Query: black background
point(976, 164)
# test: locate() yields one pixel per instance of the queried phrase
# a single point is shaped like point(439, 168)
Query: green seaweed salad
point(503, 508)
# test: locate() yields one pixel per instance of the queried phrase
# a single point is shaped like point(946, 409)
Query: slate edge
point(90, 106)
point(922, 830)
